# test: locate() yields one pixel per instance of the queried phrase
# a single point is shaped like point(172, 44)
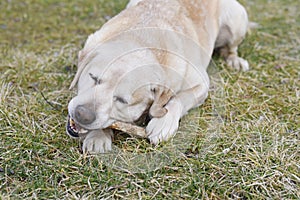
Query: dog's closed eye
point(120, 99)
point(96, 79)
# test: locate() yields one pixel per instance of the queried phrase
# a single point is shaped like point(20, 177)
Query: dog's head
point(122, 89)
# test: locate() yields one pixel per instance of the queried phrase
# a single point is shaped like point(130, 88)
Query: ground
point(246, 143)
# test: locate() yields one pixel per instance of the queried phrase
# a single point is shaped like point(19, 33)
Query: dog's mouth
point(74, 130)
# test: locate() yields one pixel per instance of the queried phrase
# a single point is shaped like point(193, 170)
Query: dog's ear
point(161, 97)
point(83, 59)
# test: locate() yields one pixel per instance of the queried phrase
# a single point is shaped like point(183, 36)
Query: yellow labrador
point(152, 58)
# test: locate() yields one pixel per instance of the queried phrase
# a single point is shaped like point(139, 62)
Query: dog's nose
point(84, 115)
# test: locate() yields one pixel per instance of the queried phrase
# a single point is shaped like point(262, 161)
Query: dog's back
point(195, 19)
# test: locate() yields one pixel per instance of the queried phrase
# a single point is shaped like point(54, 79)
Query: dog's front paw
point(164, 128)
point(98, 141)
point(237, 63)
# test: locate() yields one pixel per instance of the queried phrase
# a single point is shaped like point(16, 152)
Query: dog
point(152, 59)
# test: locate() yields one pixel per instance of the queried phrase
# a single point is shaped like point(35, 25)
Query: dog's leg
point(164, 128)
point(98, 141)
point(233, 28)
point(230, 54)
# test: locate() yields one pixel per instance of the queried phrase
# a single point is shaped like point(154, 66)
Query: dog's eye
point(120, 99)
point(96, 79)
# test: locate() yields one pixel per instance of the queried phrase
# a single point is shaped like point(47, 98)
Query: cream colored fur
point(153, 57)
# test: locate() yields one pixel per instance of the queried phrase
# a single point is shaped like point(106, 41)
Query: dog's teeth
point(82, 131)
point(72, 123)
point(75, 129)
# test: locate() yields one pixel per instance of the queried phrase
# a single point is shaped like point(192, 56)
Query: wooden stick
point(133, 130)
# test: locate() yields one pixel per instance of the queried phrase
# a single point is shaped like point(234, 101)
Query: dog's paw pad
point(97, 142)
point(237, 63)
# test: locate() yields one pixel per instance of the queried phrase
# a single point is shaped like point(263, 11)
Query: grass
point(250, 152)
